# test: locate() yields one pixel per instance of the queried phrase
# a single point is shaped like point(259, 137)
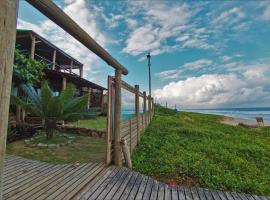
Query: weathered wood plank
point(106, 185)
point(100, 181)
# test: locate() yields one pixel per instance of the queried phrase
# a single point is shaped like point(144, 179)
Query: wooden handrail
point(53, 12)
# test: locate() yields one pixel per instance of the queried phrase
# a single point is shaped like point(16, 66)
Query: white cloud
point(211, 91)
point(229, 17)
point(86, 18)
point(225, 58)
point(266, 10)
point(161, 22)
point(169, 74)
point(198, 64)
point(132, 23)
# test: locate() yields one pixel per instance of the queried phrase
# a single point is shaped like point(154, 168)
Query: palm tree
point(52, 108)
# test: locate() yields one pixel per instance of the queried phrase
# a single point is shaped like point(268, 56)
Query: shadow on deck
point(28, 179)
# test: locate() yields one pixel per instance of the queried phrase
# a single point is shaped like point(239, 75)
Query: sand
point(235, 121)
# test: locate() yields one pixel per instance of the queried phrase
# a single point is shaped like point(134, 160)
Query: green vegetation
point(195, 149)
point(52, 108)
point(26, 69)
point(96, 123)
point(83, 150)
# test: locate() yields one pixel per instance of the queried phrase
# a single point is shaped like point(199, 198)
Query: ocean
point(244, 113)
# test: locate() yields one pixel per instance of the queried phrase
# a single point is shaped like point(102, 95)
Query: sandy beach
point(235, 121)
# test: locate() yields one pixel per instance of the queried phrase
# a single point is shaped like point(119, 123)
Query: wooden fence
point(131, 129)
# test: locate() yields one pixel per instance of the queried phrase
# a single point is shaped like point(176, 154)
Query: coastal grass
point(95, 123)
point(83, 150)
point(197, 150)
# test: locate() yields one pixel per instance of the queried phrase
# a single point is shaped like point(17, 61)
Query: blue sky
point(204, 54)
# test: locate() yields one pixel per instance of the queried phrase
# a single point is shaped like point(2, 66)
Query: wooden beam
point(54, 59)
point(54, 13)
point(33, 46)
point(8, 21)
point(117, 119)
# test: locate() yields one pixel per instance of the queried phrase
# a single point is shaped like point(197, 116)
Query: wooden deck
point(28, 179)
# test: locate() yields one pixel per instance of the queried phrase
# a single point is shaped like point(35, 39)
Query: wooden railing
point(130, 130)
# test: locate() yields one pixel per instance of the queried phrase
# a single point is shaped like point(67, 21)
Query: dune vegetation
point(197, 150)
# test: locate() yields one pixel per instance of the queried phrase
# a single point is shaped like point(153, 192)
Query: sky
point(205, 54)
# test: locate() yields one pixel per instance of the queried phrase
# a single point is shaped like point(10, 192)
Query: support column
point(89, 98)
point(71, 66)
point(81, 72)
point(8, 20)
point(64, 83)
point(117, 119)
point(137, 110)
point(54, 59)
point(33, 47)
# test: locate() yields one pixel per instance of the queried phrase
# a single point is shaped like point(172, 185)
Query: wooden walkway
point(28, 179)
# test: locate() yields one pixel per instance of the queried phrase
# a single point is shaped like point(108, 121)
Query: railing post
point(149, 108)
point(153, 107)
point(8, 20)
point(108, 156)
point(117, 119)
point(137, 111)
point(144, 109)
point(130, 135)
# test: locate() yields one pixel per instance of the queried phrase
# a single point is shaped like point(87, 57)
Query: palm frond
point(68, 93)
point(32, 94)
point(45, 95)
point(76, 105)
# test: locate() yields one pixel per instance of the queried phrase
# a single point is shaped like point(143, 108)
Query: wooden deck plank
point(27, 177)
point(84, 182)
point(161, 191)
point(167, 192)
point(49, 181)
point(135, 187)
point(181, 193)
point(174, 193)
point(194, 193)
point(188, 194)
point(129, 187)
point(154, 192)
point(121, 189)
point(106, 185)
point(115, 185)
point(222, 196)
point(148, 189)
point(22, 170)
point(141, 188)
point(201, 194)
point(92, 187)
point(66, 182)
point(22, 185)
